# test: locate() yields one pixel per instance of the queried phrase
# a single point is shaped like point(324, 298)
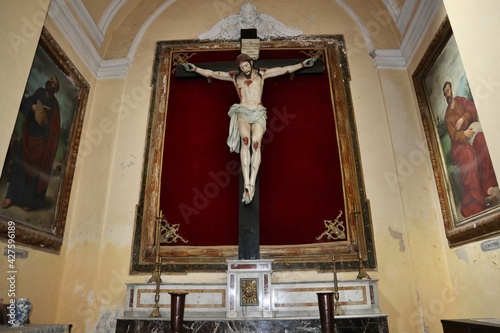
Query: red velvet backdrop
point(300, 176)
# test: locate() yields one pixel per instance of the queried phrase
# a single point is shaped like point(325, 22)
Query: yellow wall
point(421, 279)
point(19, 34)
point(479, 50)
point(475, 273)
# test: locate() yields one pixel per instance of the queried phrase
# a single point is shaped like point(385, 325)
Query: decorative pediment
point(229, 28)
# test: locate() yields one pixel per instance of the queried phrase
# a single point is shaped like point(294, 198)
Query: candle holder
point(361, 268)
point(355, 247)
point(156, 275)
point(156, 308)
point(337, 309)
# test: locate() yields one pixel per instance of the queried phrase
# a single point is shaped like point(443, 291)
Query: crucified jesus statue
point(248, 118)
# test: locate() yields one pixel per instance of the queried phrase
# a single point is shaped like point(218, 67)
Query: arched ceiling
point(108, 31)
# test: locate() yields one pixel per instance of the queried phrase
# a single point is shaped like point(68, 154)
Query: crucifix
point(247, 127)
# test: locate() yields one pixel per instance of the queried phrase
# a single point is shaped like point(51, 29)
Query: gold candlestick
point(156, 308)
point(156, 276)
point(354, 245)
point(361, 268)
point(338, 310)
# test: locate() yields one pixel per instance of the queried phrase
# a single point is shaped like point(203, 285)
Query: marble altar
point(293, 299)
point(250, 302)
point(293, 308)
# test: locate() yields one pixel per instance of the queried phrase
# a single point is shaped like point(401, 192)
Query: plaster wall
point(479, 52)
point(421, 279)
point(125, 169)
point(41, 276)
point(19, 34)
point(474, 273)
point(454, 282)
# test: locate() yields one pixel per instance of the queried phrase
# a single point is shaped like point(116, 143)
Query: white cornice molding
point(393, 9)
point(420, 24)
point(387, 59)
point(359, 23)
point(382, 58)
point(405, 17)
point(89, 23)
point(109, 14)
point(69, 27)
point(67, 24)
point(117, 68)
point(145, 26)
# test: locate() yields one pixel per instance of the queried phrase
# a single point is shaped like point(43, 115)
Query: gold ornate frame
point(458, 230)
point(308, 256)
point(22, 226)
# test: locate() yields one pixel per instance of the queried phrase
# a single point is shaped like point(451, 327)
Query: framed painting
point(36, 178)
point(466, 181)
point(309, 195)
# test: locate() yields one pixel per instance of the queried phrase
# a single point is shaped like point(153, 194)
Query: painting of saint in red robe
point(31, 175)
point(469, 153)
point(473, 183)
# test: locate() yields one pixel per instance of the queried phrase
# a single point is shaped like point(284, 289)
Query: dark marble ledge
point(262, 325)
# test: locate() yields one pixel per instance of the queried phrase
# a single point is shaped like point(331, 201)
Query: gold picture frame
point(38, 171)
point(356, 219)
point(468, 213)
